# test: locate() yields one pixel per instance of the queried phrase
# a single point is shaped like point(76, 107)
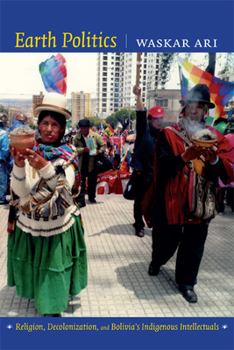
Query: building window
point(162, 103)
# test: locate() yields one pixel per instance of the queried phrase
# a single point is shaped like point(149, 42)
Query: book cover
point(31, 32)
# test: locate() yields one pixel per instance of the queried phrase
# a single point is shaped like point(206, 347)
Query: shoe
point(141, 233)
point(4, 202)
point(93, 200)
point(189, 295)
point(221, 213)
point(153, 269)
point(81, 204)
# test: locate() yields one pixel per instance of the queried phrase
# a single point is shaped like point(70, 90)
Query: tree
point(120, 117)
point(3, 110)
point(94, 121)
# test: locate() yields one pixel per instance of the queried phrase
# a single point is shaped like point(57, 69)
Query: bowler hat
point(54, 102)
point(156, 112)
point(199, 93)
point(84, 123)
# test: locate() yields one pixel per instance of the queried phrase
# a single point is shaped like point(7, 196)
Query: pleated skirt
point(48, 269)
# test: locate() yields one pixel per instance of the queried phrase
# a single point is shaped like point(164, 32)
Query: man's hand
point(193, 152)
point(211, 153)
point(136, 90)
point(86, 150)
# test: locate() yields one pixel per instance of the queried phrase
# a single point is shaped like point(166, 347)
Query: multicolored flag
point(221, 91)
point(109, 131)
point(54, 74)
point(105, 123)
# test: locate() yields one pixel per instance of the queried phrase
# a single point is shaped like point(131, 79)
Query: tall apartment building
point(37, 99)
point(80, 106)
point(116, 76)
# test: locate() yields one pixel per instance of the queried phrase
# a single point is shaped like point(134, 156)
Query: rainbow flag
point(54, 74)
point(221, 91)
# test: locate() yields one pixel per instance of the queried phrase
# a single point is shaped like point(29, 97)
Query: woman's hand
point(35, 160)
point(19, 158)
point(193, 152)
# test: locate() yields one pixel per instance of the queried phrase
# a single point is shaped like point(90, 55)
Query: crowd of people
point(46, 247)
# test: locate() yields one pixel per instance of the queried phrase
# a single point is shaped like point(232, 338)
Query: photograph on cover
point(122, 259)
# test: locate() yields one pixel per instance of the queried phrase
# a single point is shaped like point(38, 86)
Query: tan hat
point(54, 102)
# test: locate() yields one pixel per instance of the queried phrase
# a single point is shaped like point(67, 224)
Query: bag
point(202, 196)
point(129, 192)
point(103, 163)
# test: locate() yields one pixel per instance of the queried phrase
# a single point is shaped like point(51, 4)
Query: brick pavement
point(119, 285)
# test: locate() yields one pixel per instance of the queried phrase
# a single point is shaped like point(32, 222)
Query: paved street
point(119, 285)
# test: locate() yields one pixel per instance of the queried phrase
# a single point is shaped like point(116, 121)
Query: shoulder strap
point(180, 135)
point(184, 138)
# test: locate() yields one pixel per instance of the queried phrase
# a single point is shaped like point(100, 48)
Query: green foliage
point(3, 110)
point(165, 67)
point(32, 125)
point(120, 117)
point(94, 121)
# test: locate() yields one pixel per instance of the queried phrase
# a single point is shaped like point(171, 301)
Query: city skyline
point(20, 77)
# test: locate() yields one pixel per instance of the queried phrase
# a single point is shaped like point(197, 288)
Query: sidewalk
point(119, 285)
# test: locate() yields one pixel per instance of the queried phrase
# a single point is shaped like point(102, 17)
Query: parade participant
point(228, 190)
point(174, 223)
point(143, 157)
point(20, 120)
point(4, 158)
point(46, 250)
point(87, 159)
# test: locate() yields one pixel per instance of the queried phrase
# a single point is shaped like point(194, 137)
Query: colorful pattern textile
point(65, 152)
point(54, 74)
point(220, 91)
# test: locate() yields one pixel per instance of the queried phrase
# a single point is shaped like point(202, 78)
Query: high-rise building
point(116, 76)
point(37, 100)
point(80, 106)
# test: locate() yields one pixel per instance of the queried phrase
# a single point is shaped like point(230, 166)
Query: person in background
point(88, 159)
point(46, 249)
point(20, 120)
point(228, 190)
point(147, 128)
point(174, 225)
point(231, 112)
point(4, 158)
